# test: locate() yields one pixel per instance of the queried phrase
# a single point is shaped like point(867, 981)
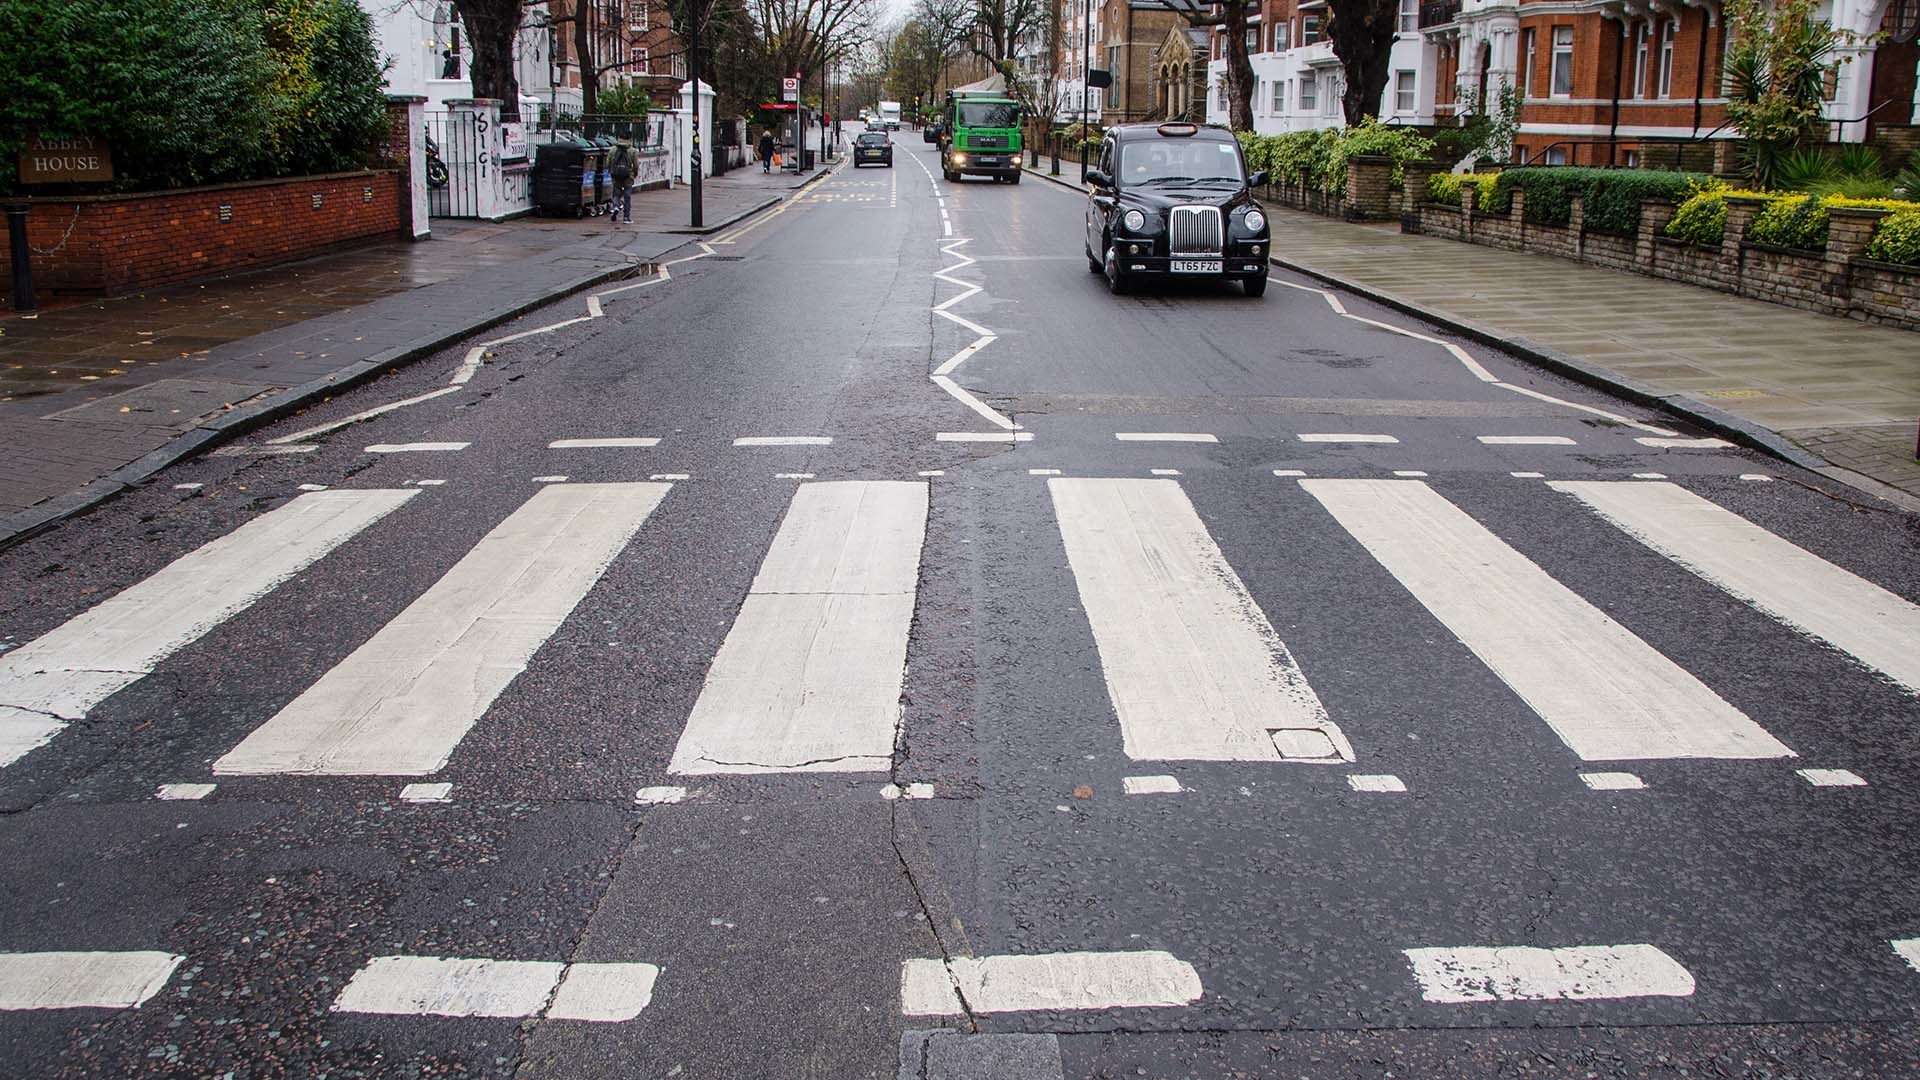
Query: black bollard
point(22, 256)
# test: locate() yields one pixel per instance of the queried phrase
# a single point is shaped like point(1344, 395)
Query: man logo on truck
point(981, 137)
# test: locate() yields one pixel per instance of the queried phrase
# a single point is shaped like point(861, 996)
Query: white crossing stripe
point(1165, 436)
point(1789, 583)
point(415, 447)
point(1832, 777)
point(83, 980)
point(403, 700)
point(1151, 785)
point(1338, 437)
point(183, 792)
point(1384, 782)
point(1909, 950)
point(1607, 694)
point(1612, 781)
point(784, 440)
point(1076, 980)
point(1526, 973)
point(656, 796)
point(427, 793)
point(1194, 668)
point(1525, 440)
point(809, 676)
point(443, 986)
point(588, 444)
point(59, 676)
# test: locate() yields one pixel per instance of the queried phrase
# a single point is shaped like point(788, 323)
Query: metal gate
point(456, 150)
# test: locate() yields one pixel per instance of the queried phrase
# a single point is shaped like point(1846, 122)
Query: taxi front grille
point(1194, 230)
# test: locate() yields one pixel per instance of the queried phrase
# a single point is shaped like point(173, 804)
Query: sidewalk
point(1847, 393)
point(98, 395)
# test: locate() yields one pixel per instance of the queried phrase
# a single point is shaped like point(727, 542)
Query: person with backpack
point(766, 150)
point(620, 166)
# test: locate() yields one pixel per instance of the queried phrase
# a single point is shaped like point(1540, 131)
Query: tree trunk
point(491, 27)
point(1239, 68)
point(583, 52)
point(1362, 33)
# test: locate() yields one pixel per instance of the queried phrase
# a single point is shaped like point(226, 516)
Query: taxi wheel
point(1116, 280)
point(1255, 286)
point(1093, 264)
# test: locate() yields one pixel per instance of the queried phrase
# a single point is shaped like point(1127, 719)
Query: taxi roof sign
point(1177, 129)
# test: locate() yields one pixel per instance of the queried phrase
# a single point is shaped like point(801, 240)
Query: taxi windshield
point(1173, 161)
point(989, 114)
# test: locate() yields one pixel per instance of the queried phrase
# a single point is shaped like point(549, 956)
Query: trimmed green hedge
point(1611, 197)
point(1446, 187)
point(1319, 157)
point(1898, 239)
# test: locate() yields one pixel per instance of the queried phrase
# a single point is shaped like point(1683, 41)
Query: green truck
point(980, 136)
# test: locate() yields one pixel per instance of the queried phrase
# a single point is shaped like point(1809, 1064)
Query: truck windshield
point(989, 114)
point(1178, 160)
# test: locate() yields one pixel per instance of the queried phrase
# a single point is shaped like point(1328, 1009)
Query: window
point(1330, 101)
point(1403, 103)
point(1409, 16)
point(1253, 40)
point(1667, 34)
point(1526, 64)
point(1282, 31)
point(1563, 61)
point(1557, 155)
point(1279, 104)
point(1639, 61)
point(1309, 90)
point(1309, 29)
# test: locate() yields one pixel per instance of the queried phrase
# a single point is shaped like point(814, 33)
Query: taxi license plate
point(1196, 266)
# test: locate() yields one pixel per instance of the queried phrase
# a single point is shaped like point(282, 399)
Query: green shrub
point(1701, 219)
point(1898, 239)
point(1793, 221)
point(1611, 197)
point(1319, 157)
point(332, 104)
point(1446, 187)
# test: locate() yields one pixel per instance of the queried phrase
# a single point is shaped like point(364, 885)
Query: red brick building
point(629, 41)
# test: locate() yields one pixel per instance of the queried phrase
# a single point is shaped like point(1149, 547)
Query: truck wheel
point(1014, 179)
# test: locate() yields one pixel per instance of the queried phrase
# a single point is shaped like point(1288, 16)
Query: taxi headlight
point(1134, 221)
point(1256, 221)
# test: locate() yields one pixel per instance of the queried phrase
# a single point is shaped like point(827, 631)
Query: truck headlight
point(1134, 221)
point(959, 159)
point(1255, 220)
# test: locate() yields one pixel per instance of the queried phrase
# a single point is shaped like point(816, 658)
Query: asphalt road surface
point(867, 648)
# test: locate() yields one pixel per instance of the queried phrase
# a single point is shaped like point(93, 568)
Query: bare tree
point(1362, 33)
point(989, 29)
point(492, 26)
point(1231, 17)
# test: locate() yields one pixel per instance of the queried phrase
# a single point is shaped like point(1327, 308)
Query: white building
point(1298, 82)
point(1074, 98)
point(429, 56)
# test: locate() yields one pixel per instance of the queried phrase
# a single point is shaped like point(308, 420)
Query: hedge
point(1446, 187)
point(1610, 197)
point(1898, 239)
point(1800, 221)
point(1319, 157)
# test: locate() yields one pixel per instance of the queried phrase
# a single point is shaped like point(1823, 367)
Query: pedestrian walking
point(620, 166)
point(766, 150)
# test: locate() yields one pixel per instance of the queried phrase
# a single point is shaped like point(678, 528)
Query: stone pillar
point(1413, 181)
point(1654, 216)
point(1849, 230)
point(481, 153)
point(1369, 184)
point(1517, 214)
point(685, 98)
point(1577, 228)
point(1740, 214)
point(1469, 209)
point(407, 149)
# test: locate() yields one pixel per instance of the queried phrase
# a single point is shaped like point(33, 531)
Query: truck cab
point(980, 137)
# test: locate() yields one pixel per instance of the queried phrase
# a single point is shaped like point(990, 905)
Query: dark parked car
point(1174, 200)
point(931, 133)
point(873, 147)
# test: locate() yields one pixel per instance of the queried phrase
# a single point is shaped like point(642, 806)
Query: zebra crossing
point(810, 676)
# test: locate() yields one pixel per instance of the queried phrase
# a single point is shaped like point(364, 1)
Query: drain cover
point(1304, 744)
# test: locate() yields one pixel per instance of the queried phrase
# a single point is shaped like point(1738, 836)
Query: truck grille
point(986, 142)
point(1194, 230)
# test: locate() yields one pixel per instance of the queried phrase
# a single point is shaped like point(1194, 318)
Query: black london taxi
point(873, 147)
point(1175, 200)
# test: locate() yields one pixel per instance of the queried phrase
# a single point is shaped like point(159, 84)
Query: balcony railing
point(1438, 13)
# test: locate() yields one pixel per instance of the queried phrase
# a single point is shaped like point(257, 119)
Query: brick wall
point(119, 243)
point(1838, 280)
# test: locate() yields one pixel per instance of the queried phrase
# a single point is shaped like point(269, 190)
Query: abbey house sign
point(76, 159)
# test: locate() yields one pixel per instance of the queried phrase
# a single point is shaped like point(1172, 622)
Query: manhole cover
point(172, 403)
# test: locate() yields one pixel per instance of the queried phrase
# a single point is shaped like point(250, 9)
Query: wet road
point(867, 648)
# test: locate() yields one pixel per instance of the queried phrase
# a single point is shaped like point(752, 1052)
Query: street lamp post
point(1086, 89)
point(693, 68)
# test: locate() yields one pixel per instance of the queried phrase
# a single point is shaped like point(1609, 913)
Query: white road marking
point(1336, 437)
point(188, 487)
point(1527, 475)
point(984, 436)
point(442, 986)
point(1761, 477)
point(596, 444)
point(403, 700)
point(1384, 782)
point(594, 310)
point(415, 447)
point(469, 365)
point(1685, 444)
point(669, 476)
point(549, 479)
point(547, 329)
point(964, 354)
point(427, 793)
point(987, 412)
point(1047, 981)
point(262, 450)
point(1649, 476)
point(313, 487)
point(1526, 440)
point(1043, 472)
point(1526, 973)
point(946, 227)
point(426, 483)
point(1909, 950)
point(1612, 781)
point(1194, 669)
point(1873, 626)
point(1151, 785)
point(911, 791)
point(784, 440)
point(1163, 472)
point(660, 796)
point(793, 476)
point(1289, 472)
point(1588, 409)
point(1605, 692)
point(1165, 436)
point(1832, 778)
point(57, 677)
point(1411, 474)
point(933, 472)
point(83, 980)
point(809, 676)
point(183, 792)
point(301, 436)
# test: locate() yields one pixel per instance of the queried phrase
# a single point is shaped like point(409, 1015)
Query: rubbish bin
point(602, 174)
point(563, 182)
